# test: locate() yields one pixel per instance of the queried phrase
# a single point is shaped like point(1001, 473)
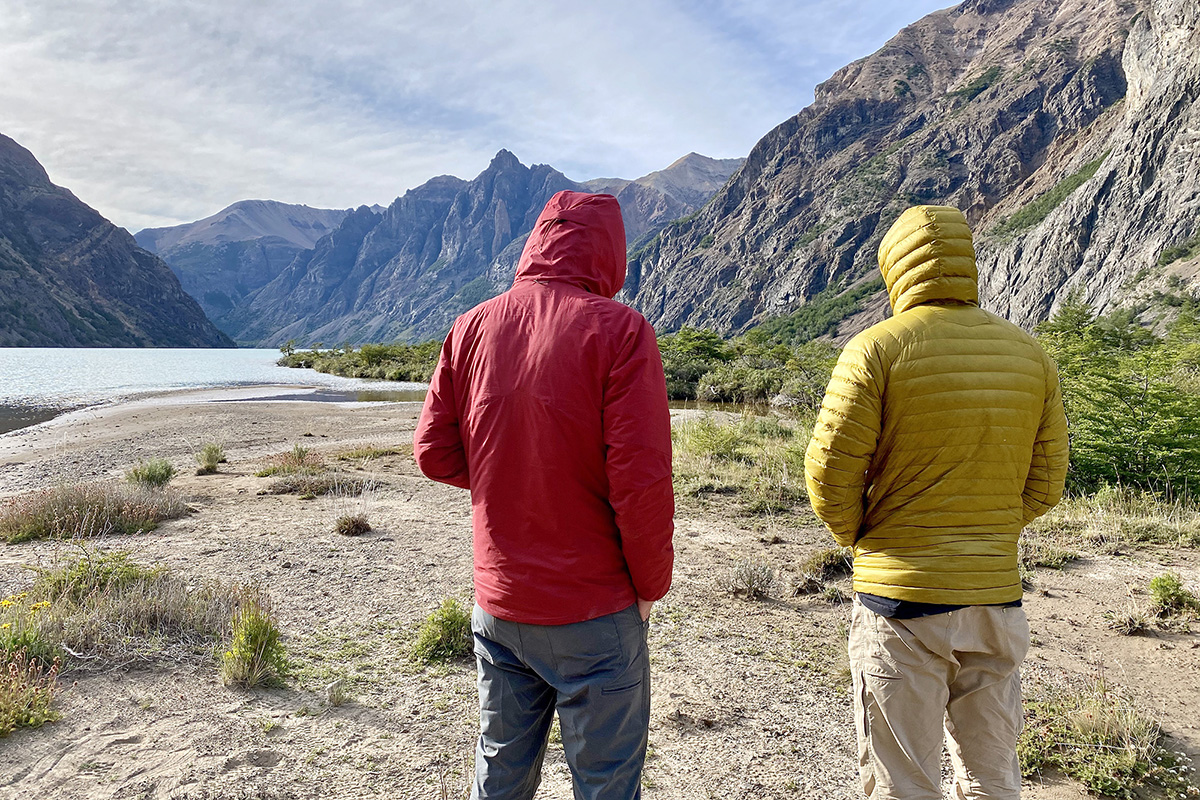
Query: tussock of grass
point(210, 455)
point(828, 564)
point(445, 634)
point(299, 460)
point(372, 452)
point(352, 525)
point(87, 510)
point(329, 483)
point(1100, 738)
point(255, 655)
point(155, 473)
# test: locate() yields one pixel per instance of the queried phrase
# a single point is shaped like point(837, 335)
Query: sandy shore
point(749, 700)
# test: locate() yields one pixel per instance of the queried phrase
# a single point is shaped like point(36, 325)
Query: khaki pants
point(914, 676)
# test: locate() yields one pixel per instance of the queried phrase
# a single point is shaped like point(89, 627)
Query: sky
point(157, 113)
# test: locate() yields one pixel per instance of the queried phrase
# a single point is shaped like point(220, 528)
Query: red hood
point(579, 238)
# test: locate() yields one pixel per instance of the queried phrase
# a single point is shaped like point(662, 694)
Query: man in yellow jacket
point(941, 436)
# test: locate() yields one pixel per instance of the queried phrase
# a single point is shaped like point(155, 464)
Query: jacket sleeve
point(637, 441)
point(437, 445)
point(844, 440)
point(1048, 467)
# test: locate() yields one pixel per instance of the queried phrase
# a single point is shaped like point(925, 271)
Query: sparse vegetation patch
point(1100, 738)
point(209, 457)
point(1040, 208)
point(79, 510)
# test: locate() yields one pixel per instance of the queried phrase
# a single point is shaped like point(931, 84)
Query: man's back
point(930, 452)
point(560, 427)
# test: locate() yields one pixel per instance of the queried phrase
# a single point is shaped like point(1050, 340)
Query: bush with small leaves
point(155, 473)
point(1169, 598)
point(445, 634)
point(255, 655)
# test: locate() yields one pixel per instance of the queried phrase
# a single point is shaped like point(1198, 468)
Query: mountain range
point(70, 278)
point(403, 272)
point(1066, 131)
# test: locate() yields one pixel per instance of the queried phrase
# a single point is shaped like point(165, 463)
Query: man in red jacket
point(549, 403)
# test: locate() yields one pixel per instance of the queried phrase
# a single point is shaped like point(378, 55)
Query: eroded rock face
point(70, 278)
point(987, 106)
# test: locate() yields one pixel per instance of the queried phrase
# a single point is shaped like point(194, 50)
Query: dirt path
point(749, 698)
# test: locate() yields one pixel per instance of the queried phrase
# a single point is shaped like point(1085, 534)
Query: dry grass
point(299, 460)
point(87, 510)
point(329, 483)
point(758, 460)
point(1110, 522)
point(372, 452)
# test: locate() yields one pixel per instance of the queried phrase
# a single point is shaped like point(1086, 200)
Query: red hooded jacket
point(550, 405)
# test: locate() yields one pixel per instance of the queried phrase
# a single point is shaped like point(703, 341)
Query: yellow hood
point(928, 257)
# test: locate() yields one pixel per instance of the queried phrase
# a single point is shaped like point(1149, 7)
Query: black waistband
point(907, 609)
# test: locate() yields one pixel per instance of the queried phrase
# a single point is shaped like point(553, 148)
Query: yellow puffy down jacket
point(942, 432)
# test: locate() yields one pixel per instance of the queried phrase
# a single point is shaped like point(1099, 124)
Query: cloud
point(157, 113)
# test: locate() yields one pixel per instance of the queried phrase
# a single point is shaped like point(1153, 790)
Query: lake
point(38, 383)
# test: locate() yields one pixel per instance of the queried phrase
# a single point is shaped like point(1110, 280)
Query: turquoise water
point(36, 383)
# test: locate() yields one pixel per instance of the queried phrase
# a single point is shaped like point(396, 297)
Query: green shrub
point(27, 689)
point(86, 510)
point(210, 455)
point(255, 655)
point(1133, 409)
point(154, 473)
point(445, 633)
point(21, 630)
point(1187, 249)
point(979, 84)
point(1169, 598)
point(394, 362)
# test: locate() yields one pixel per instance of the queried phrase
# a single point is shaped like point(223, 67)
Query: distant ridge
point(225, 257)
point(70, 278)
point(403, 272)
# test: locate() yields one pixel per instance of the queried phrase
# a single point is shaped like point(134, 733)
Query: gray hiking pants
point(595, 673)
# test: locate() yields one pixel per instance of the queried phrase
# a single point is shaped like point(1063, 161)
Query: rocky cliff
point(223, 258)
point(407, 272)
point(69, 277)
point(1063, 129)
